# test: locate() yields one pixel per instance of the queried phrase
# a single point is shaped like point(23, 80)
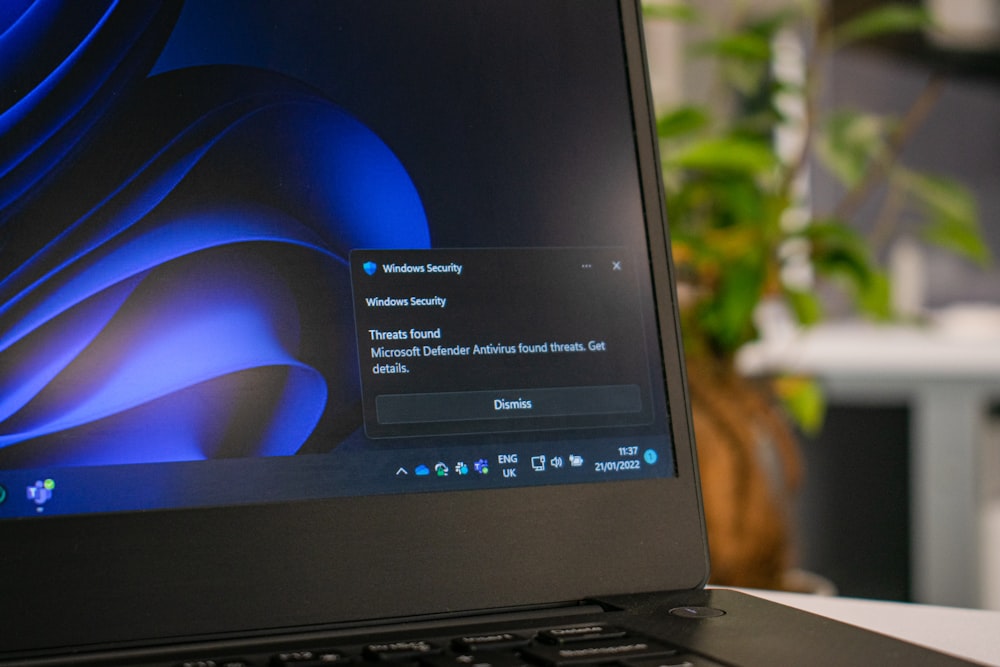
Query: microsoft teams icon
point(41, 492)
point(370, 268)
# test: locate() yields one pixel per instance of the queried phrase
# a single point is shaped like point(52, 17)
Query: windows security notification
point(487, 340)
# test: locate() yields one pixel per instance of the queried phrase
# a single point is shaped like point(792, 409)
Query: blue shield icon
point(370, 268)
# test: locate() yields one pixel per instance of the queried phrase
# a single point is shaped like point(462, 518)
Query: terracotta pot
point(750, 468)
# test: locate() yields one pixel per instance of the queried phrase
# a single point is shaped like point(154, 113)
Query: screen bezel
point(159, 576)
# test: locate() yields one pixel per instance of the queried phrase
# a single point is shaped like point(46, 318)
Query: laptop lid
point(315, 313)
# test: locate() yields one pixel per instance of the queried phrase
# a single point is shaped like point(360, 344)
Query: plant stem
point(881, 165)
point(887, 218)
point(820, 43)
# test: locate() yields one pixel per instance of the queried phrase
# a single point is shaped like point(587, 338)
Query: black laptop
point(344, 332)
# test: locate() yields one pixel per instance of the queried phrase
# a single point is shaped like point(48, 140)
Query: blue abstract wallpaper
point(173, 247)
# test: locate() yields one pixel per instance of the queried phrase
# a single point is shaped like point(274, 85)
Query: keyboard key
point(308, 659)
point(490, 642)
point(580, 634)
point(403, 650)
point(591, 652)
point(685, 660)
point(479, 659)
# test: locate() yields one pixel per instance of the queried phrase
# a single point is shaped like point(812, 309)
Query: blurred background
point(846, 155)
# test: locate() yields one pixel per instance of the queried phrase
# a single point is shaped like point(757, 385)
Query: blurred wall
point(960, 139)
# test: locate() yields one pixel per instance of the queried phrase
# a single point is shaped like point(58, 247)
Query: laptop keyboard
point(567, 646)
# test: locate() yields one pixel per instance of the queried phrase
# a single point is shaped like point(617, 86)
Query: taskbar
point(61, 491)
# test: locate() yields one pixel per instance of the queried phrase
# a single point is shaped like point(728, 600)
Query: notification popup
point(490, 340)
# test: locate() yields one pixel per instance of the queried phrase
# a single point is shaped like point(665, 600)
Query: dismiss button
point(467, 406)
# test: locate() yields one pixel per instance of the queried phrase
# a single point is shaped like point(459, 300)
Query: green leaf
point(844, 262)
point(738, 201)
point(841, 254)
point(728, 316)
point(944, 197)
point(959, 240)
point(710, 200)
point(770, 24)
point(804, 400)
point(741, 46)
point(884, 20)
point(679, 13)
point(745, 76)
point(874, 297)
point(681, 121)
point(831, 232)
point(806, 306)
point(849, 142)
point(951, 213)
point(726, 154)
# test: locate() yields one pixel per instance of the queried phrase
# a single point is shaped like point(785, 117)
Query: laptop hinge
point(263, 640)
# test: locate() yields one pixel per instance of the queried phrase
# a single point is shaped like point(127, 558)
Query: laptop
point(345, 332)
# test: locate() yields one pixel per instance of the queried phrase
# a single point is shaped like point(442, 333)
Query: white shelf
point(949, 374)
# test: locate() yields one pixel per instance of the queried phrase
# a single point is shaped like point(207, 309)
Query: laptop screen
point(278, 252)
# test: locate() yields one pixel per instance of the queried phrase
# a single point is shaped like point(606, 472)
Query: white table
point(948, 374)
point(973, 634)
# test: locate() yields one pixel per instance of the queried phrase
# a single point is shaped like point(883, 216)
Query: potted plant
point(746, 241)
